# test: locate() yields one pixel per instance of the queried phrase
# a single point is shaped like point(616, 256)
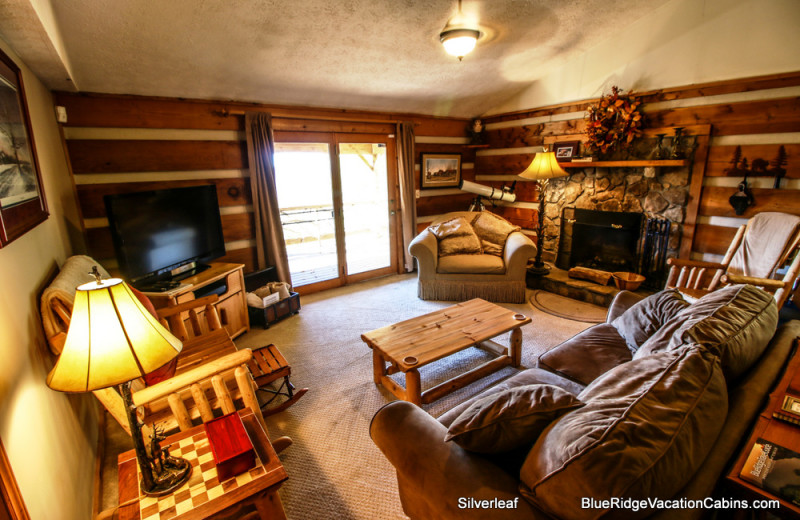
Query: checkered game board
point(203, 485)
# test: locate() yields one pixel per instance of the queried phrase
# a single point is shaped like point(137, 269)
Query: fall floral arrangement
point(614, 120)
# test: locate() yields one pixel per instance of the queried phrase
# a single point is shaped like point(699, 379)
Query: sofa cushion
point(473, 264)
point(509, 419)
point(650, 423)
point(492, 232)
point(456, 237)
point(734, 322)
point(531, 376)
point(587, 355)
point(644, 318)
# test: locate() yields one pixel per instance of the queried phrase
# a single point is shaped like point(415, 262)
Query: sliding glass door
point(336, 196)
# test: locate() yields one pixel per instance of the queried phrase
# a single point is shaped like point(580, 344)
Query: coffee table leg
point(378, 366)
point(413, 387)
point(516, 347)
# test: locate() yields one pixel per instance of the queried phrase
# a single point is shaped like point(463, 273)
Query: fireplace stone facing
point(656, 194)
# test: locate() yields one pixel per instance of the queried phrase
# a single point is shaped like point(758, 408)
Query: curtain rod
point(282, 115)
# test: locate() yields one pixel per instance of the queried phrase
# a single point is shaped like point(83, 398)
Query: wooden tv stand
point(228, 280)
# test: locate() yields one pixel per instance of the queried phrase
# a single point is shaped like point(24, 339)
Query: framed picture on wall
point(440, 170)
point(566, 151)
point(22, 202)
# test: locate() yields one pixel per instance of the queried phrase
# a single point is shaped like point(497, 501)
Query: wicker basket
point(628, 281)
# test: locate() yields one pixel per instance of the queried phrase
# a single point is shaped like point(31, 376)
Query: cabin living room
point(551, 276)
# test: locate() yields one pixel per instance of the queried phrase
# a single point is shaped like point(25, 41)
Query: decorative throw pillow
point(493, 232)
point(645, 429)
point(509, 419)
point(644, 318)
point(735, 323)
point(456, 237)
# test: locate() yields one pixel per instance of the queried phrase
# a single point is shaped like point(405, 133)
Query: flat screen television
point(156, 232)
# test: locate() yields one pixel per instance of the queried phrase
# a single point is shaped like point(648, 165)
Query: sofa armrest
point(518, 250)
point(425, 248)
point(434, 474)
point(623, 301)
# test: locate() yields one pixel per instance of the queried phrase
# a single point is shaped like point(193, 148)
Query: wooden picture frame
point(12, 506)
point(566, 150)
point(440, 170)
point(22, 201)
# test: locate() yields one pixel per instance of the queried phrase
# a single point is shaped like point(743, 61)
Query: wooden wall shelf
point(625, 164)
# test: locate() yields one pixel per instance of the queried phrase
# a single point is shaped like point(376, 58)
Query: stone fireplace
point(648, 192)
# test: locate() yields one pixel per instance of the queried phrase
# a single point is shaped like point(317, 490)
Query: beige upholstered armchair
point(452, 266)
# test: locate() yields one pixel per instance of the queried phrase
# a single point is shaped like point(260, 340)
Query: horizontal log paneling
point(533, 135)
point(444, 204)
point(467, 154)
point(346, 127)
point(116, 156)
point(719, 158)
point(99, 243)
point(523, 217)
point(769, 112)
point(246, 256)
point(230, 192)
point(712, 239)
point(714, 202)
point(502, 164)
point(715, 88)
point(103, 110)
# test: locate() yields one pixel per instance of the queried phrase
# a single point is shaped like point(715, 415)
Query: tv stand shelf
point(224, 279)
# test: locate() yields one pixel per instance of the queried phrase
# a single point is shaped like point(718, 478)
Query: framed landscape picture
point(566, 151)
point(22, 202)
point(440, 170)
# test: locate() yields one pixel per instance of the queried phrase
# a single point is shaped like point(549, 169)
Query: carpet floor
point(335, 471)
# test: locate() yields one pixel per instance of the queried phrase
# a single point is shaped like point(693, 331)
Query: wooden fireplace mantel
point(626, 164)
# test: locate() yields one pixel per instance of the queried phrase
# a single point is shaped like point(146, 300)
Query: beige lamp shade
point(112, 339)
point(544, 166)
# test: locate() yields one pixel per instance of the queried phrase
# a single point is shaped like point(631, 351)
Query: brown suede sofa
point(660, 396)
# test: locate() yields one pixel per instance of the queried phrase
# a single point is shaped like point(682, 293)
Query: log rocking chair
point(762, 247)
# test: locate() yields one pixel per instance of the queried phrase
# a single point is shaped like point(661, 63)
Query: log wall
point(759, 114)
point(119, 144)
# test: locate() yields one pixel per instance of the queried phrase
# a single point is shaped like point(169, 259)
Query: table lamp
point(543, 168)
point(112, 340)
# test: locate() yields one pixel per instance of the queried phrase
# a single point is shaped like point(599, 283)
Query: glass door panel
point(305, 197)
point(365, 206)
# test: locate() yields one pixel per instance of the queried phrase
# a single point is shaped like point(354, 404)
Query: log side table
point(204, 496)
point(414, 343)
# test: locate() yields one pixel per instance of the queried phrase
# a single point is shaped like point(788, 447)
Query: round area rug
point(568, 308)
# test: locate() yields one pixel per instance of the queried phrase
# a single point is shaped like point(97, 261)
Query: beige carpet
point(335, 471)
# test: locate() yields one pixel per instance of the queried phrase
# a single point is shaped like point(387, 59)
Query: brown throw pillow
point(493, 232)
point(644, 318)
point(456, 237)
point(509, 419)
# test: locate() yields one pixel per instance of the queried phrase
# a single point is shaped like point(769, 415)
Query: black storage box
point(276, 311)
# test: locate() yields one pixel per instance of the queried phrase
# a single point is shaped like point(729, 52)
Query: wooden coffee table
point(414, 343)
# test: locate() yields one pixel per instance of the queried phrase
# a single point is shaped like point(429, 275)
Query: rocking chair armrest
point(767, 283)
point(680, 262)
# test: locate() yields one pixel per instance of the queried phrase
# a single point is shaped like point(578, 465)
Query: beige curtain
point(269, 232)
point(408, 201)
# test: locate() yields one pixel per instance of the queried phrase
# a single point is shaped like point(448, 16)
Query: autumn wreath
point(614, 120)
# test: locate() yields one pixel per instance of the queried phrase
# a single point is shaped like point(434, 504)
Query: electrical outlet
point(416, 194)
point(61, 114)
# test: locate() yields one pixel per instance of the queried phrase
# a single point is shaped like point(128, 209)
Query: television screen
point(160, 230)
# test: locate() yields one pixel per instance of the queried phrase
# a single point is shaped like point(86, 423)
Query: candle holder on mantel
point(677, 145)
point(659, 152)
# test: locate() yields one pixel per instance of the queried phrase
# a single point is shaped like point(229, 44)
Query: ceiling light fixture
point(457, 36)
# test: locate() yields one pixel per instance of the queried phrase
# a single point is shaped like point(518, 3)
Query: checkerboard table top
point(441, 333)
point(203, 495)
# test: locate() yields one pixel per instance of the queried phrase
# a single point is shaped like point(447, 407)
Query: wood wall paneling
point(713, 239)
point(118, 156)
point(719, 158)
point(230, 192)
point(714, 202)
